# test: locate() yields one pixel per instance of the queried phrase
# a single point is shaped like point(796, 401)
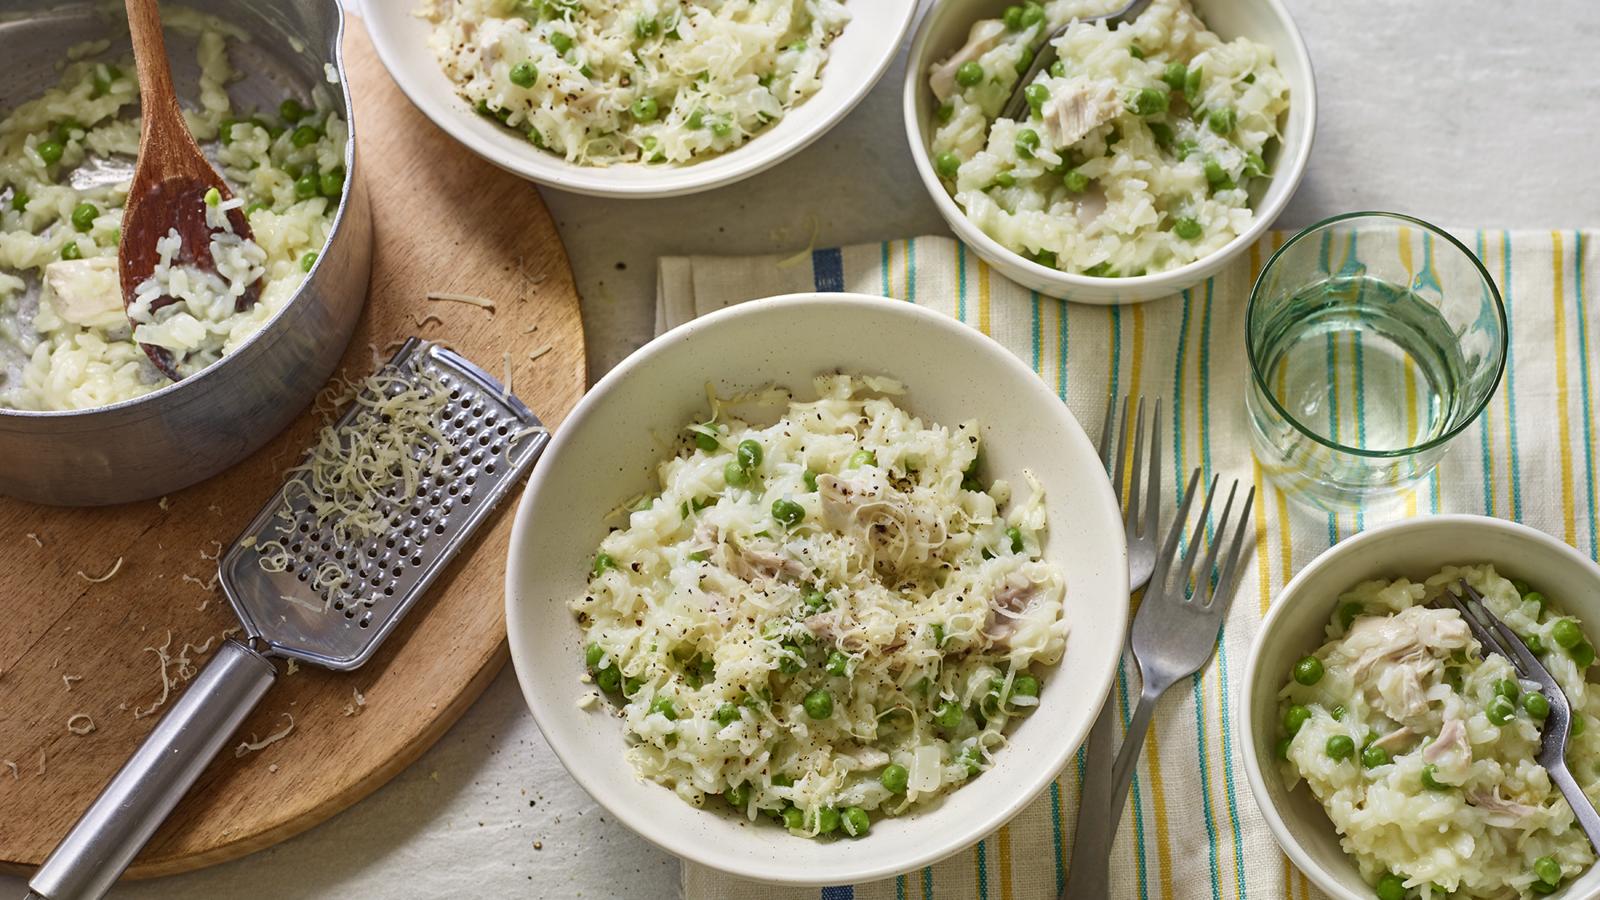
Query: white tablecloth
point(1471, 112)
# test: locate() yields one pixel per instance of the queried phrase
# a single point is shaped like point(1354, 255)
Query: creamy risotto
point(1139, 146)
point(1421, 747)
point(65, 161)
point(601, 82)
point(825, 619)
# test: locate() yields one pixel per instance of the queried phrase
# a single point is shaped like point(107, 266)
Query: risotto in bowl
point(1390, 754)
point(1146, 154)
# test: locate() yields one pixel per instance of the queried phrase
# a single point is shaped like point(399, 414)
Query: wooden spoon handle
point(158, 100)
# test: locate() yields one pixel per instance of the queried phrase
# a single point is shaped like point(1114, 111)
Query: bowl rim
point(190, 383)
point(1255, 773)
point(523, 659)
point(1260, 382)
point(1262, 218)
point(546, 168)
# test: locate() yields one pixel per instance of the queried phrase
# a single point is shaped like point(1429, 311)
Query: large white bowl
point(1414, 548)
point(605, 452)
point(944, 30)
point(856, 60)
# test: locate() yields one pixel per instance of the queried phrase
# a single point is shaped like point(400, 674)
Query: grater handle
point(141, 795)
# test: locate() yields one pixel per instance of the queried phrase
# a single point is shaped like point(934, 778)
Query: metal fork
point(1088, 876)
point(1047, 55)
point(1497, 638)
point(1176, 630)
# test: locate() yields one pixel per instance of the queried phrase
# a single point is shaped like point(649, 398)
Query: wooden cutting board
point(444, 221)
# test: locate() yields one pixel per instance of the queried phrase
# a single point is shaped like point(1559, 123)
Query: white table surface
point(1463, 112)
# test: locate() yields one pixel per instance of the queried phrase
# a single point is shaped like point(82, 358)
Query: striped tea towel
point(1191, 828)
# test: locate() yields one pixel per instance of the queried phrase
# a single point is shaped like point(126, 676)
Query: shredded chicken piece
point(1071, 114)
point(1500, 812)
point(1007, 606)
point(985, 35)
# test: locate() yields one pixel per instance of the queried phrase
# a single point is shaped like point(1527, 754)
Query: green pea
point(947, 714)
point(696, 120)
point(1032, 14)
point(609, 679)
point(50, 151)
point(721, 128)
point(1582, 654)
point(1254, 165)
point(103, 78)
point(1577, 727)
point(1339, 747)
point(856, 821)
point(631, 685)
point(1373, 757)
point(1500, 710)
point(70, 250)
point(1005, 179)
point(938, 634)
point(1174, 75)
point(1283, 747)
point(561, 41)
point(738, 795)
point(663, 705)
point(827, 820)
point(1534, 645)
point(1337, 712)
point(735, 474)
point(837, 664)
point(895, 778)
point(1036, 95)
point(1012, 18)
point(645, 109)
point(1391, 887)
point(83, 215)
point(969, 74)
point(1014, 539)
point(1027, 142)
point(1161, 133)
point(602, 562)
point(1150, 102)
point(705, 441)
point(1548, 870)
point(972, 759)
point(645, 28)
point(788, 512)
point(524, 74)
point(1186, 148)
point(332, 182)
point(305, 136)
point(1188, 229)
point(1430, 779)
point(1508, 689)
point(1058, 69)
point(1191, 85)
point(1024, 686)
point(1222, 121)
point(19, 201)
point(291, 111)
point(1537, 705)
point(1136, 51)
point(699, 556)
point(818, 704)
point(1308, 670)
point(810, 479)
point(1539, 887)
point(726, 714)
point(1216, 175)
point(307, 260)
point(592, 655)
point(307, 186)
point(1101, 270)
point(1564, 632)
point(793, 819)
point(944, 112)
point(1075, 181)
point(1295, 718)
point(225, 131)
point(792, 660)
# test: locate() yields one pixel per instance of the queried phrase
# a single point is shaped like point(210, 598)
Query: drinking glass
point(1374, 339)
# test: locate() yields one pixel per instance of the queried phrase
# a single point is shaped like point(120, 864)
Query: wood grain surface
point(444, 221)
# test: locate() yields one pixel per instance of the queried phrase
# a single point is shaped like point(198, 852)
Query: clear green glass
point(1374, 339)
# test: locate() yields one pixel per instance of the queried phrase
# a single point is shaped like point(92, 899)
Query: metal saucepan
point(193, 429)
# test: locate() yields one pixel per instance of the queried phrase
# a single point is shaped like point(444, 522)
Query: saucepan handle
point(141, 795)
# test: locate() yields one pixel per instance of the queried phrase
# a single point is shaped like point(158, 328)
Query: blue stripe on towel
point(827, 269)
point(844, 892)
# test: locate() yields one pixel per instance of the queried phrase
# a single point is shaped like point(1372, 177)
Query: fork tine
point(1150, 522)
point(1105, 433)
point(1120, 456)
point(1202, 578)
point(1169, 548)
point(1228, 578)
point(1186, 565)
point(1134, 470)
point(1476, 625)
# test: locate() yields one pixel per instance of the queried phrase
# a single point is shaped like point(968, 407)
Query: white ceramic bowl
point(604, 454)
point(944, 30)
point(857, 59)
point(1415, 548)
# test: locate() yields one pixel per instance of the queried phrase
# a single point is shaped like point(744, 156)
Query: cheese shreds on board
point(540, 352)
point(69, 679)
point(468, 299)
point(35, 538)
point(356, 704)
point(80, 723)
point(253, 745)
point(100, 579)
point(15, 775)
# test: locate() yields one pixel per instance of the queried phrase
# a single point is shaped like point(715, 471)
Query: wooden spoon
point(170, 180)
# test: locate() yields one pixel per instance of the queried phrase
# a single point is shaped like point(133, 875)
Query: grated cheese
point(423, 322)
point(469, 299)
point(524, 432)
point(115, 568)
point(253, 745)
point(15, 775)
point(505, 389)
point(357, 703)
point(80, 724)
point(69, 679)
point(541, 351)
point(164, 503)
point(35, 538)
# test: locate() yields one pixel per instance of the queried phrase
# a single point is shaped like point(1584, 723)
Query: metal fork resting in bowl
point(1495, 637)
point(1046, 55)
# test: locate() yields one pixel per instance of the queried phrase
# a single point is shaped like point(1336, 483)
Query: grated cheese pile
point(823, 619)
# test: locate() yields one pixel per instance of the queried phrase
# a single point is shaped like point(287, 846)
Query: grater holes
point(416, 558)
point(489, 468)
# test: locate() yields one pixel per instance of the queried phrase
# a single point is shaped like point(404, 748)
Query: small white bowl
point(944, 30)
point(856, 60)
point(604, 453)
point(1415, 548)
